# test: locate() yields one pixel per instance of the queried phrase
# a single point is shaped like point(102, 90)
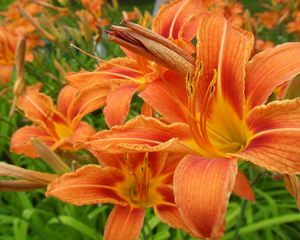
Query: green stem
point(243, 208)
point(240, 220)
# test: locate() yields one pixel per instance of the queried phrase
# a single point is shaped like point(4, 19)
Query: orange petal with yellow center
point(167, 95)
point(269, 69)
point(242, 187)
point(225, 49)
point(90, 184)
point(118, 104)
point(276, 150)
point(141, 134)
point(21, 140)
point(171, 17)
point(202, 187)
point(124, 223)
point(37, 106)
point(277, 114)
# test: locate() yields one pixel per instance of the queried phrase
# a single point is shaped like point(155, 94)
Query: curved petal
point(242, 187)
point(276, 150)
point(64, 99)
point(202, 187)
point(225, 49)
point(36, 106)
point(82, 132)
point(167, 95)
point(170, 215)
point(21, 140)
point(118, 104)
point(268, 70)
point(277, 114)
point(88, 100)
point(292, 184)
point(171, 17)
point(90, 184)
point(115, 72)
point(141, 134)
point(124, 223)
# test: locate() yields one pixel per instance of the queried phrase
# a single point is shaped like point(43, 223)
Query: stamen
point(144, 185)
point(191, 85)
point(204, 111)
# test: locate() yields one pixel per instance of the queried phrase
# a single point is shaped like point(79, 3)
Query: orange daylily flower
point(294, 26)
point(8, 49)
point(13, 27)
point(223, 105)
point(58, 126)
point(126, 76)
point(133, 182)
point(269, 19)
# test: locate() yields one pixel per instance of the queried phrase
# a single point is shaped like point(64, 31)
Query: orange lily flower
point(223, 105)
point(133, 182)
point(8, 48)
point(126, 76)
point(12, 28)
point(58, 126)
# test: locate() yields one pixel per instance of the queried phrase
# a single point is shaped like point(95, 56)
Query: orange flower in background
point(294, 26)
point(269, 19)
point(133, 182)
point(126, 76)
point(261, 45)
point(58, 126)
point(227, 119)
point(13, 27)
point(8, 49)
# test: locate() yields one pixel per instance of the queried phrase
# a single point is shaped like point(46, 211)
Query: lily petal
point(124, 223)
point(21, 140)
point(225, 49)
point(115, 72)
point(170, 215)
point(202, 187)
point(292, 184)
point(268, 70)
point(276, 150)
point(88, 100)
point(171, 17)
point(82, 132)
point(118, 104)
point(64, 99)
point(141, 134)
point(242, 187)
point(36, 106)
point(167, 95)
point(277, 114)
point(90, 184)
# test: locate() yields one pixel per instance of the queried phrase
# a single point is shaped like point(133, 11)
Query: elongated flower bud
point(19, 85)
point(153, 46)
